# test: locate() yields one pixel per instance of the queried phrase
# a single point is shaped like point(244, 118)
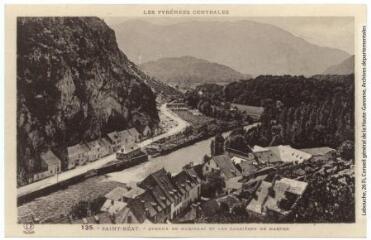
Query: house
point(248, 168)
point(249, 187)
point(223, 164)
point(107, 148)
point(135, 134)
point(229, 200)
point(129, 138)
point(133, 193)
point(50, 165)
point(115, 140)
point(249, 156)
point(188, 184)
point(233, 184)
point(166, 194)
point(320, 152)
point(77, 155)
point(264, 155)
point(286, 153)
point(131, 205)
point(44, 173)
point(146, 207)
point(159, 198)
point(52, 162)
point(114, 200)
point(276, 199)
point(128, 216)
point(95, 150)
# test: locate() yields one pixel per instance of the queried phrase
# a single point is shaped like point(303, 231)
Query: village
point(264, 184)
point(179, 126)
point(85, 153)
point(122, 145)
point(258, 185)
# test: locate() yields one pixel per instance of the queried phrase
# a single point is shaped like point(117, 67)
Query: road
point(181, 125)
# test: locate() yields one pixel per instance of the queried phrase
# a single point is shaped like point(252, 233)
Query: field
point(253, 111)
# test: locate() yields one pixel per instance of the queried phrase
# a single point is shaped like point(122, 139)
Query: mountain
point(343, 68)
point(246, 46)
point(73, 85)
point(187, 70)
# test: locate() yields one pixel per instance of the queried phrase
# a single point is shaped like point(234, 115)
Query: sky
point(334, 32)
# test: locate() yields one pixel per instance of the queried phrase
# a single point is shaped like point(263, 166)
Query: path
point(29, 188)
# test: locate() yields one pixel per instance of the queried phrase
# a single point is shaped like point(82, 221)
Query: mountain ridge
point(188, 70)
point(246, 46)
point(342, 68)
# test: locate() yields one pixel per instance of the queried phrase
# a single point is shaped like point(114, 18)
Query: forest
point(299, 111)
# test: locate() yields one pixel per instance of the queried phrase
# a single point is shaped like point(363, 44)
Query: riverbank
point(184, 139)
point(60, 202)
point(93, 166)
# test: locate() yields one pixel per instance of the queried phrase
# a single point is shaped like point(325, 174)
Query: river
point(172, 162)
point(56, 205)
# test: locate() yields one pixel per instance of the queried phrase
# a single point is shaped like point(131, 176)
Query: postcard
point(185, 120)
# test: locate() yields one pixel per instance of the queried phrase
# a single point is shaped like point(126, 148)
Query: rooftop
point(318, 151)
point(257, 148)
point(286, 153)
point(93, 144)
point(256, 203)
point(134, 192)
point(282, 189)
point(113, 207)
point(116, 193)
point(113, 136)
point(76, 149)
point(226, 166)
point(49, 158)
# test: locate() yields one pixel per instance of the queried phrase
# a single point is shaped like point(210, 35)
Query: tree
point(346, 150)
point(206, 158)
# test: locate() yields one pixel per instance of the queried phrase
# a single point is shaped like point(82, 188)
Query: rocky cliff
point(74, 85)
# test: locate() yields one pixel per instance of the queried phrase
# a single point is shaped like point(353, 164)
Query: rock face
point(74, 85)
point(246, 46)
point(187, 70)
point(343, 68)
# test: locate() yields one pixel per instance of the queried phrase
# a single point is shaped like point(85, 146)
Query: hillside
point(343, 68)
point(246, 46)
point(187, 70)
point(299, 111)
point(74, 84)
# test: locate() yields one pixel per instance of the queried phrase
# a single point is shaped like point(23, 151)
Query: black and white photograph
point(187, 118)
